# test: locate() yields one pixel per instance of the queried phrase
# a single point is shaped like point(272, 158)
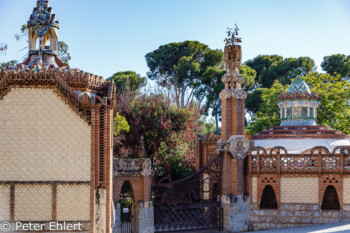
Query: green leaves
point(128, 81)
point(63, 53)
point(333, 110)
point(337, 63)
point(120, 124)
point(274, 67)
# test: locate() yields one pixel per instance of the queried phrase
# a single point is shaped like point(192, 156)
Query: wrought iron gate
point(126, 208)
point(192, 203)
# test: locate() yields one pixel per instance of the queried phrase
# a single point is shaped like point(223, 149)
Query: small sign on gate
point(125, 210)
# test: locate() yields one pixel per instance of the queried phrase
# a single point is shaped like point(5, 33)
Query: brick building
point(55, 137)
point(299, 172)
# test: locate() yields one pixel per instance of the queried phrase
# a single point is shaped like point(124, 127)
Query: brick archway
point(268, 180)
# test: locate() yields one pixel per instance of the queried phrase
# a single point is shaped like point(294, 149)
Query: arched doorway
point(330, 199)
point(126, 201)
point(268, 199)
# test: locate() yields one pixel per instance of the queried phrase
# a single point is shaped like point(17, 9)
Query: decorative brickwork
point(56, 127)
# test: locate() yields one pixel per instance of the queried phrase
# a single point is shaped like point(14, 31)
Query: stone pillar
point(144, 217)
point(233, 144)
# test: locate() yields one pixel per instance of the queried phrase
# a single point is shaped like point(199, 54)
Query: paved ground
point(327, 228)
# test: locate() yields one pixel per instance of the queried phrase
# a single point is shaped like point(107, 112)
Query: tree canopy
point(337, 63)
point(180, 66)
point(128, 81)
point(273, 67)
point(333, 111)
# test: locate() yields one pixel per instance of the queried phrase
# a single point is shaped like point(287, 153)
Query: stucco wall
point(299, 190)
point(254, 189)
point(4, 202)
point(41, 138)
point(73, 202)
point(33, 202)
point(346, 190)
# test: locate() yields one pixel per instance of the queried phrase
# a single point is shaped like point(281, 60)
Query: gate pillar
point(233, 142)
point(139, 173)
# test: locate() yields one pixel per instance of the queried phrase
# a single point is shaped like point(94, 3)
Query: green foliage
point(128, 81)
point(207, 127)
point(9, 63)
point(180, 67)
point(337, 63)
point(254, 100)
point(273, 67)
point(333, 111)
point(268, 114)
point(63, 53)
point(159, 130)
point(334, 108)
point(120, 124)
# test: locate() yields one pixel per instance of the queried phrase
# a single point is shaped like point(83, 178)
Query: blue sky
point(108, 36)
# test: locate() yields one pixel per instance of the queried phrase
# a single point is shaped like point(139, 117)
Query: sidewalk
point(326, 228)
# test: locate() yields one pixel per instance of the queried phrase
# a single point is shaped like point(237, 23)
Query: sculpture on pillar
point(233, 55)
point(236, 145)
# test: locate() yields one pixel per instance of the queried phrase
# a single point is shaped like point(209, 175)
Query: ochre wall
point(346, 190)
point(68, 208)
point(299, 190)
point(254, 189)
point(33, 202)
point(4, 202)
point(41, 138)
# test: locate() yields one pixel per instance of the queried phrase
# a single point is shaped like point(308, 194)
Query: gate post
point(233, 142)
point(139, 173)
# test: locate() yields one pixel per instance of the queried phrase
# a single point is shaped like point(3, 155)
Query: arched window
point(330, 199)
point(268, 199)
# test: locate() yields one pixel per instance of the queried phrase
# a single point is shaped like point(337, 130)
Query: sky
point(108, 36)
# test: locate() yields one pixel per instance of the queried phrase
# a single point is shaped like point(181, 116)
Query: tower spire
point(43, 36)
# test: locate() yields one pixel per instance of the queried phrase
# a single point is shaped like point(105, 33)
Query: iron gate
point(192, 203)
point(126, 208)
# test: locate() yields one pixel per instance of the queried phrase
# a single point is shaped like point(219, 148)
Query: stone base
point(236, 213)
point(292, 215)
point(117, 222)
point(144, 217)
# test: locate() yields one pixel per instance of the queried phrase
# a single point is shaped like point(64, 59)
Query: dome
point(298, 85)
point(298, 105)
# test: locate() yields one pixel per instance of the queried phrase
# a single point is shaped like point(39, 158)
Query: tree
point(337, 63)
point(158, 130)
point(128, 81)
point(333, 111)
point(334, 108)
point(273, 67)
point(63, 53)
point(268, 111)
point(180, 66)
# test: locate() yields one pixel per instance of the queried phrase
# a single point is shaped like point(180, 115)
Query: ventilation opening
point(268, 199)
point(330, 199)
point(101, 147)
